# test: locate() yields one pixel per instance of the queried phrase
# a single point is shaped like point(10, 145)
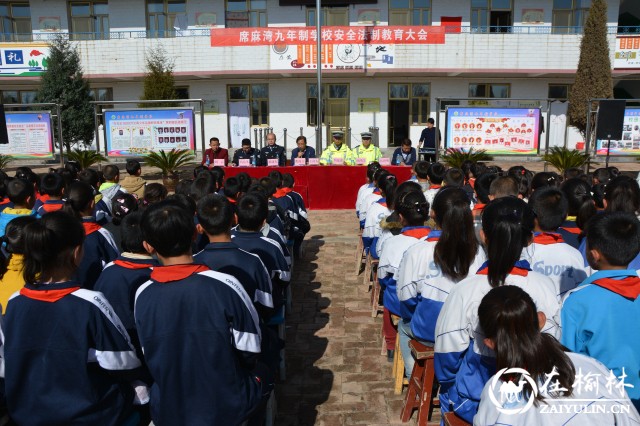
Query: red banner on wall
point(329, 35)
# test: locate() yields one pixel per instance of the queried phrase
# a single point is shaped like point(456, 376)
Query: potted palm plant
point(563, 158)
point(454, 157)
point(85, 159)
point(4, 161)
point(169, 162)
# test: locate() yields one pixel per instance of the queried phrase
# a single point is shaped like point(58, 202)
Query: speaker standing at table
point(427, 142)
point(367, 150)
point(302, 151)
point(337, 150)
point(272, 151)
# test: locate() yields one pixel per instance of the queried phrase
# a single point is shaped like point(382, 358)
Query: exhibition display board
point(30, 135)
point(630, 143)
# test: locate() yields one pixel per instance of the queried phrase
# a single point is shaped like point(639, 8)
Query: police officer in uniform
point(272, 151)
point(337, 149)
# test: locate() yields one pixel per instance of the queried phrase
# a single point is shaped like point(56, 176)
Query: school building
point(385, 62)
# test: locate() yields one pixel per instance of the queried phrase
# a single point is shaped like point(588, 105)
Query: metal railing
point(206, 32)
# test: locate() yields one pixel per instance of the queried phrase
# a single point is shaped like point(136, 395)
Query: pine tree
point(63, 83)
point(159, 83)
point(593, 77)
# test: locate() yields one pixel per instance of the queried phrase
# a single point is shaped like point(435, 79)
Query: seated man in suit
point(302, 151)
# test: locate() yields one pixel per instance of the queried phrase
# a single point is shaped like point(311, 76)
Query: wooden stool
point(451, 419)
point(420, 394)
point(398, 368)
point(360, 257)
point(376, 307)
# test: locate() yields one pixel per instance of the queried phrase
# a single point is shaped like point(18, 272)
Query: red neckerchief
point(521, 268)
point(472, 182)
point(132, 265)
point(47, 295)
point(280, 193)
point(287, 190)
point(52, 205)
point(165, 274)
point(435, 186)
point(377, 191)
point(419, 232)
point(479, 207)
point(232, 201)
point(4, 201)
point(546, 238)
point(628, 287)
point(90, 227)
point(42, 197)
point(575, 230)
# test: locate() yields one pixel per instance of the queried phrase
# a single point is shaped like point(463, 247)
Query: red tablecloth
point(324, 187)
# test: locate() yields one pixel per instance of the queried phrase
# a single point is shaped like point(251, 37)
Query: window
point(418, 96)
point(559, 91)
point(19, 96)
point(101, 94)
point(335, 105)
point(182, 92)
point(16, 21)
point(486, 90)
point(333, 16)
point(258, 97)
point(409, 12)
point(164, 16)
point(246, 13)
point(89, 20)
point(569, 16)
point(494, 16)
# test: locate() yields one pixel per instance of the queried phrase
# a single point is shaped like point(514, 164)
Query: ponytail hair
point(79, 198)
point(403, 189)
point(388, 187)
point(508, 316)
point(49, 244)
point(622, 195)
point(581, 201)
point(14, 238)
point(508, 227)
point(413, 207)
point(457, 247)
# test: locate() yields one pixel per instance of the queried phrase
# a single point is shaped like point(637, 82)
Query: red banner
point(330, 35)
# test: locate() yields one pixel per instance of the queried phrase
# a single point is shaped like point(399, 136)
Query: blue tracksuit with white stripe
point(201, 337)
point(463, 363)
point(99, 249)
point(63, 344)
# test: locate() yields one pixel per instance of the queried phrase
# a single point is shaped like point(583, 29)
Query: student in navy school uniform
point(581, 207)
point(199, 331)
point(99, 245)
point(277, 217)
point(232, 191)
point(68, 357)
point(215, 219)
point(52, 185)
point(549, 254)
point(300, 225)
point(252, 216)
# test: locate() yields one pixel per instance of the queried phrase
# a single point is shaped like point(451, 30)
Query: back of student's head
point(197, 170)
point(378, 174)
point(616, 235)
point(401, 191)
point(52, 184)
point(66, 175)
point(110, 172)
point(504, 186)
point(25, 173)
point(218, 175)
point(133, 166)
point(580, 201)
point(276, 178)
point(507, 224)
point(232, 188)
point(477, 169)
point(19, 191)
point(509, 318)
point(183, 201)
point(571, 173)
point(422, 169)
point(371, 169)
point(90, 177)
point(545, 180)
point(457, 246)
point(122, 205)
point(550, 206)
point(483, 185)
point(287, 180)
point(131, 233)
point(388, 187)
point(245, 181)
point(14, 234)
point(154, 193)
point(169, 228)
point(253, 210)
point(523, 178)
point(79, 198)
point(454, 177)
point(436, 173)
point(605, 174)
point(215, 214)
point(50, 243)
point(413, 208)
point(201, 186)
point(269, 186)
point(74, 168)
point(184, 187)
point(4, 179)
point(622, 194)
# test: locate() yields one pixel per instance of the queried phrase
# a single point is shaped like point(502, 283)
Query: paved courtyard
point(335, 373)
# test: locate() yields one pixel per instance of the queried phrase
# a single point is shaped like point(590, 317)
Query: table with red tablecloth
point(324, 187)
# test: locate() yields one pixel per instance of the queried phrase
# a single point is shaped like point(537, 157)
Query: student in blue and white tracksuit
point(549, 254)
point(199, 331)
point(68, 357)
point(413, 211)
point(430, 269)
point(463, 363)
point(99, 245)
point(600, 317)
point(372, 197)
point(367, 188)
point(572, 389)
point(378, 211)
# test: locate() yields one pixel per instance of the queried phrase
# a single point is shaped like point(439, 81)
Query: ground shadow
point(306, 386)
